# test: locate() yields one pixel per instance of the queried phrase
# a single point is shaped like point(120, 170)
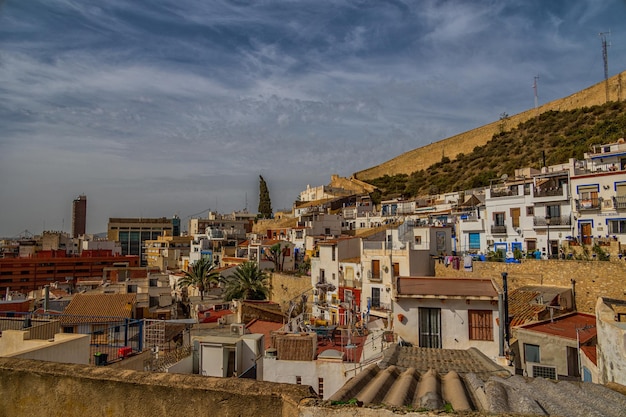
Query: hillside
point(464, 143)
point(554, 136)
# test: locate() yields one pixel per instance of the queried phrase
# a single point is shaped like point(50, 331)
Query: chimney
point(46, 298)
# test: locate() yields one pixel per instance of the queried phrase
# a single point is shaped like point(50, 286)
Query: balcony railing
point(503, 192)
point(554, 221)
point(498, 229)
point(619, 202)
point(588, 203)
point(548, 192)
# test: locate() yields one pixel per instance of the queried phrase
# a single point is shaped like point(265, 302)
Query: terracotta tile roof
point(521, 307)
point(528, 304)
point(590, 352)
point(101, 307)
point(265, 328)
point(428, 287)
point(566, 326)
point(211, 316)
point(420, 378)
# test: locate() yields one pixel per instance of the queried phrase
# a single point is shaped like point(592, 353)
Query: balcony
point(503, 192)
point(554, 221)
point(619, 202)
point(588, 204)
point(498, 230)
point(548, 192)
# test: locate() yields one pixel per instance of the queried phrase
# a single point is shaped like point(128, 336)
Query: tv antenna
point(605, 59)
point(536, 96)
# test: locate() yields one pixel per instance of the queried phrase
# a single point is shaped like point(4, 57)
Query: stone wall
point(287, 287)
point(34, 388)
point(425, 156)
point(592, 278)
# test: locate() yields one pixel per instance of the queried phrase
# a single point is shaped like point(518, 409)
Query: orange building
point(47, 267)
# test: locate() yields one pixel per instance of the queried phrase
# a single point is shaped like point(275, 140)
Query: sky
point(175, 107)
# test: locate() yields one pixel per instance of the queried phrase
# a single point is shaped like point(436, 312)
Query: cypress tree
point(265, 204)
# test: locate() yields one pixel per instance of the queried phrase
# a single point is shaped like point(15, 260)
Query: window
point(154, 282)
point(375, 297)
point(531, 353)
point(418, 240)
point(498, 219)
point(474, 241)
point(334, 250)
point(320, 387)
point(375, 269)
point(553, 211)
point(154, 302)
point(322, 276)
point(617, 227)
point(430, 327)
point(298, 380)
point(396, 269)
point(480, 323)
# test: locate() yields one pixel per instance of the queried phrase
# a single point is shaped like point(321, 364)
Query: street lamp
point(548, 220)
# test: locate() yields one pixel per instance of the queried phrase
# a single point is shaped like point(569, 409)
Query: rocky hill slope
point(464, 143)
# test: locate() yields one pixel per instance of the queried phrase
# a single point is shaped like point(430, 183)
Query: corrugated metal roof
point(567, 326)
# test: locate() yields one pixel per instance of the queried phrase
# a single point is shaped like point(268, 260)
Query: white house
point(448, 313)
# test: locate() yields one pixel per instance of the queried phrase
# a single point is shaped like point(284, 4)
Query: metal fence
point(111, 338)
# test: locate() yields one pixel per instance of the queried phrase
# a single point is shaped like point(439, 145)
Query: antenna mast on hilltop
point(536, 96)
point(605, 58)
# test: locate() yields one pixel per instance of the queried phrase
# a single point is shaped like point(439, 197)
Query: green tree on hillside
point(265, 204)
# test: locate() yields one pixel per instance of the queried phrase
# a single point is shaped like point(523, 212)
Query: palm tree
point(200, 275)
point(248, 282)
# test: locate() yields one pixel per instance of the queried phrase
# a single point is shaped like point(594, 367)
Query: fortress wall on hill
point(422, 158)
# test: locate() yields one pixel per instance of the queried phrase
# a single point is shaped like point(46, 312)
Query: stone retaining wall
point(592, 278)
point(46, 389)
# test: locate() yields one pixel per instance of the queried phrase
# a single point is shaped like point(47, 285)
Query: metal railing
point(498, 229)
point(548, 192)
point(554, 221)
point(588, 204)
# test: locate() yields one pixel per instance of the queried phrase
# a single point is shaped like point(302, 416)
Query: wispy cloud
point(156, 108)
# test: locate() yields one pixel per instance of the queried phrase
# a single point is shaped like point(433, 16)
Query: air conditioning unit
point(537, 370)
point(237, 328)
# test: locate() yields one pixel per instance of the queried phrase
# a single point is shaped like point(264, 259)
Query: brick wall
point(593, 278)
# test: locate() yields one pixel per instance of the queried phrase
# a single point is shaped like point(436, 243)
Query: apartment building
point(132, 233)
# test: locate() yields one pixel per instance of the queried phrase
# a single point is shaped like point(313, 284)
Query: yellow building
point(166, 252)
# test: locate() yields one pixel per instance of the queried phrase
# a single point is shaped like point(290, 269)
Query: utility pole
point(605, 59)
